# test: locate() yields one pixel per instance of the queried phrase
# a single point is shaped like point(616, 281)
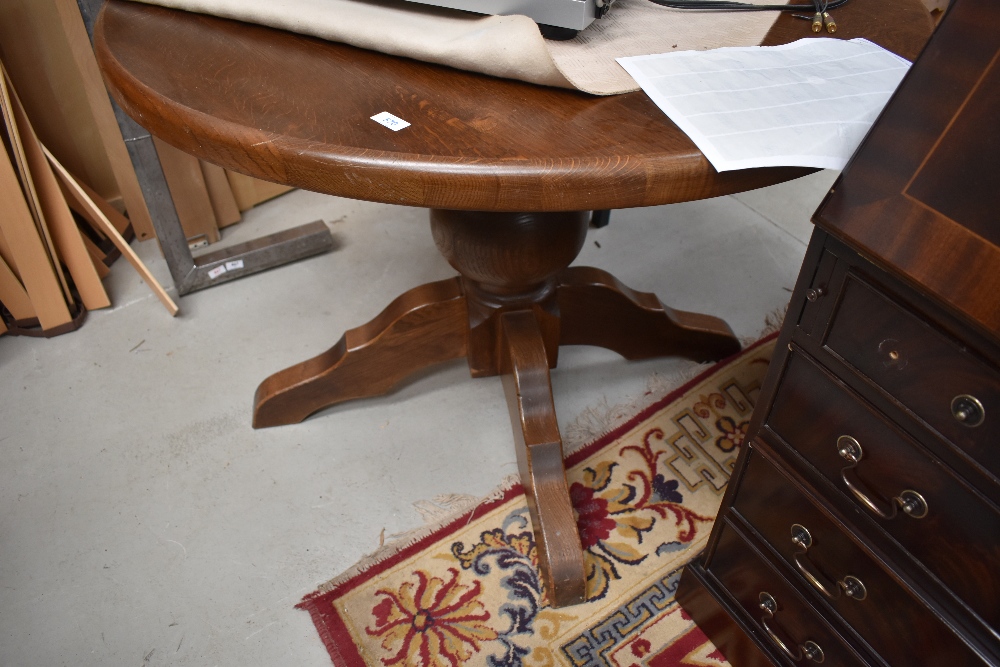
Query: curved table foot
point(422, 327)
point(596, 309)
point(540, 457)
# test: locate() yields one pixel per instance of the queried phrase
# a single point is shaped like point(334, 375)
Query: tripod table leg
point(596, 309)
point(540, 457)
point(422, 327)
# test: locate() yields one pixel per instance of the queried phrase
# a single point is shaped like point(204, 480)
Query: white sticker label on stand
point(392, 122)
point(217, 271)
point(235, 264)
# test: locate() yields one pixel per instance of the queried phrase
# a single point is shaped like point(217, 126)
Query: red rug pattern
point(646, 494)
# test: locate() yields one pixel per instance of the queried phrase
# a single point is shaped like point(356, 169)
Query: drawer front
point(958, 539)
point(787, 622)
point(951, 390)
point(896, 625)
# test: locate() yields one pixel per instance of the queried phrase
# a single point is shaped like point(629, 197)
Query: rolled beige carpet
point(504, 46)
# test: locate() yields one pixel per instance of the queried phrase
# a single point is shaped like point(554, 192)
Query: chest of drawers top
point(921, 197)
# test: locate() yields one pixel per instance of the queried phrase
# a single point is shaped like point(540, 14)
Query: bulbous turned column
point(508, 254)
point(508, 261)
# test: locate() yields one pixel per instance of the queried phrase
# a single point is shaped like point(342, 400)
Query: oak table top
point(294, 109)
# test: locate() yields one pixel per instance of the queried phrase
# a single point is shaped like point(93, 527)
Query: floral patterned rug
point(646, 495)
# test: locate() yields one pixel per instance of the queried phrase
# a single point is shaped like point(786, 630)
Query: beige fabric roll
point(504, 46)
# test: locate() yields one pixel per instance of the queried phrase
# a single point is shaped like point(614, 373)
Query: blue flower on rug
point(515, 553)
point(665, 491)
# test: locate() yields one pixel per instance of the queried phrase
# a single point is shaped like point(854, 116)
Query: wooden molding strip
point(57, 218)
point(28, 251)
point(13, 296)
point(113, 234)
point(227, 212)
point(120, 222)
point(97, 257)
point(186, 183)
point(104, 115)
point(5, 254)
point(9, 102)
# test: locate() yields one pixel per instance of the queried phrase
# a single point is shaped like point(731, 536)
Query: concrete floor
point(143, 522)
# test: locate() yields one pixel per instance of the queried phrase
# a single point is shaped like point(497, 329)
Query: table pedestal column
point(514, 303)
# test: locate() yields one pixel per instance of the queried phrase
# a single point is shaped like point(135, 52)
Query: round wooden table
point(510, 172)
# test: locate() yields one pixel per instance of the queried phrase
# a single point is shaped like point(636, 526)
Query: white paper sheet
point(808, 103)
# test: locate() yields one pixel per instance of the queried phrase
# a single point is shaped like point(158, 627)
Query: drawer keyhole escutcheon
point(892, 357)
point(911, 502)
point(809, 649)
point(967, 410)
point(849, 585)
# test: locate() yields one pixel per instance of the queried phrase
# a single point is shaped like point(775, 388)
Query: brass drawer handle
point(813, 294)
point(910, 501)
point(808, 649)
point(967, 410)
point(850, 585)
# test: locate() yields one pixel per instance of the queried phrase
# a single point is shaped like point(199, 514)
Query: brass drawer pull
point(849, 585)
point(967, 410)
point(910, 501)
point(813, 295)
point(809, 650)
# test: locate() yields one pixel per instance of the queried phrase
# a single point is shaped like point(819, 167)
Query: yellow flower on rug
point(645, 496)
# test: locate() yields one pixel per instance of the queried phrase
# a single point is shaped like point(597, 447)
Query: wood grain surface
point(921, 194)
point(528, 388)
point(475, 142)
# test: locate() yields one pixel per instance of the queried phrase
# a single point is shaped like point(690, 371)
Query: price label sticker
point(217, 271)
point(234, 264)
point(392, 122)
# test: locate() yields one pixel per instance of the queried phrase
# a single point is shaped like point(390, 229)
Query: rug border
point(585, 451)
point(332, 629)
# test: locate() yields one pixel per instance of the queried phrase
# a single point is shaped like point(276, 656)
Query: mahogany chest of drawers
point(862, 521)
